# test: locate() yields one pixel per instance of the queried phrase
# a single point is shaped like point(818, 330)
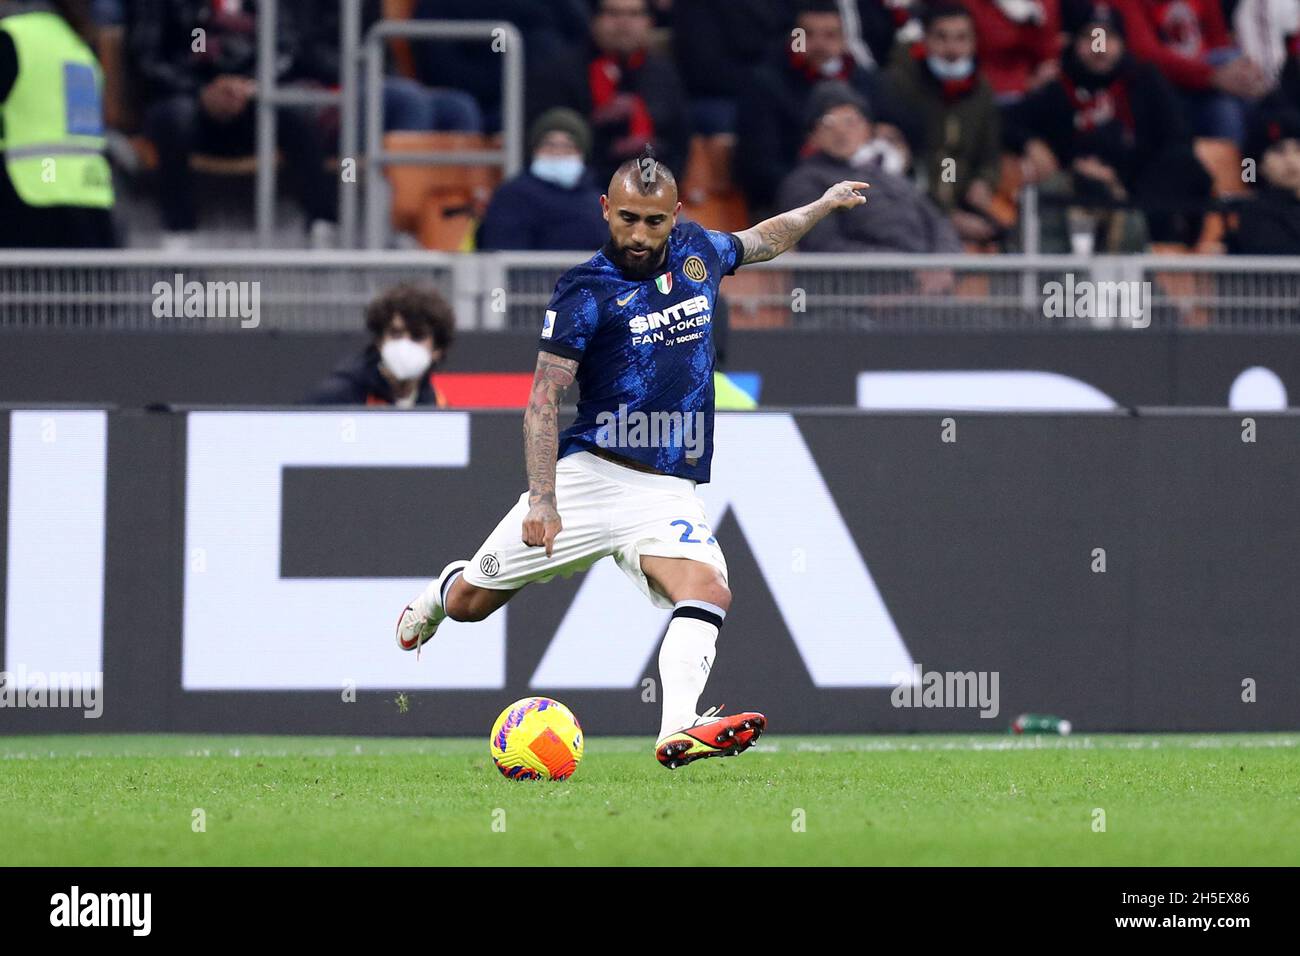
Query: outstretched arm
point(771, 237)
point(551, 381)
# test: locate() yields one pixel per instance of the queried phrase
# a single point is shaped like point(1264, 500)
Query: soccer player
point(632, 327)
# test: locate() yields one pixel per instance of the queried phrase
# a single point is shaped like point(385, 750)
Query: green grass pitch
point(1167, 800)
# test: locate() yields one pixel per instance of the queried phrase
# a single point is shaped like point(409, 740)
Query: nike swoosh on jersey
point(623, 302)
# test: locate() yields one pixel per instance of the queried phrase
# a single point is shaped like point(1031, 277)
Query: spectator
point(770, 125)
point(1263, 29)
point(1268, 223)
point(548, 29)
point(960, 157)
point(555, 203)
point(408, 104)
point(896, 217)
point(1019, 43)
point(411, 328)
point(878, 25)
point(628, 95)
point(1108, 133)
point(200, 94)
point(56, 188)
point(1188, 41)
point(716, 44)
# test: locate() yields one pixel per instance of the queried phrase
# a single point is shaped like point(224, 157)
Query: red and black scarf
point(1095, 108)
point(606, 75)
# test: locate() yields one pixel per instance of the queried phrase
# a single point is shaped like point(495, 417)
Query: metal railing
point(353, 55)
point(271, 97)
point(509, 157)
point(311, 292)
point(144, 290)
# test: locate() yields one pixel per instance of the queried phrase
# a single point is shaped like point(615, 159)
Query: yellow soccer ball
point(536, 739)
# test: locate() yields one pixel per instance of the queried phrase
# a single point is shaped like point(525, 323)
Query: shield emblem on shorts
point(489, 565)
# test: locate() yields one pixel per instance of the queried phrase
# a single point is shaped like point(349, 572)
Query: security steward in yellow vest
point(56, 189)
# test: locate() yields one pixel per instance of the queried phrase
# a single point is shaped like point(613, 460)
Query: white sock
point(685, 660)
point(430, 602)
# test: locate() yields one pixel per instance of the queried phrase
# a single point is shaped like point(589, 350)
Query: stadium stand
point(438, 206)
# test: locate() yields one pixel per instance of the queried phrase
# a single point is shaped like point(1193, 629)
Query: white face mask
point(833, 66)
point(890, 156)
point(561, 170)
point(951, 69)
point(406, 359)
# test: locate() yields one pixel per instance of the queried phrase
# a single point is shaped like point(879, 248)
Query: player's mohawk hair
point(648, 173)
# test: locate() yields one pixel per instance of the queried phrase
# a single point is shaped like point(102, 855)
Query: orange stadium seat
point(759, 298)
point(440, 204)
point(708, 194)
point(1006, 198)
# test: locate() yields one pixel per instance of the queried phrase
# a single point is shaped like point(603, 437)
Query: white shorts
point(606, 509)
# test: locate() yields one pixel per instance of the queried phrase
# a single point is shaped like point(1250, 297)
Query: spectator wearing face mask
point(629, 94)
point(1109, 133)
point(1268, 223)
point(770, 122)
point(555, 203)
point(897, 217)
point(411, 328)
point(1019, 43)
point(960, 159)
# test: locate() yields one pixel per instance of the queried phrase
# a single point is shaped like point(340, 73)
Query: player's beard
point(632, 268)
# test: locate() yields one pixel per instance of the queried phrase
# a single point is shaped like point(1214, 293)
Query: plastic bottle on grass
point(1040, 724)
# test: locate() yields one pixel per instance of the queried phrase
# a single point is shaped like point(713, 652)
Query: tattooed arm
point(771, 237)
point(551, 380)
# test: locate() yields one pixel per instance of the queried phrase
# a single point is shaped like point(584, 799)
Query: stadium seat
point(708, 194)
point(440, 204)
point(1006, 198)
point(759, 299)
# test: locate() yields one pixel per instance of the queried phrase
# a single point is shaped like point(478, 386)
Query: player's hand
point(541, 525)
point(845, 195)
